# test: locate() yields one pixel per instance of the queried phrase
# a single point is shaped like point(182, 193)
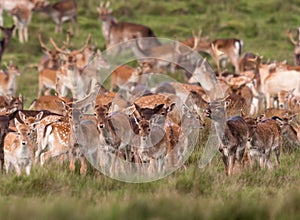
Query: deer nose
point(24, 143)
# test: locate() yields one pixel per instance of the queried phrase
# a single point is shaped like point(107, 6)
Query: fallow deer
point(8, 5)
point(4, 129)
point(22, 16)
point(273, 83)
point(18, 149)
point(10, 103)
point(115, 32)
point(228, 48)
point(264, 137)
point(8, 84)
point(50, 103)
point(69, 76)
point(60, 11)
point(232, 133)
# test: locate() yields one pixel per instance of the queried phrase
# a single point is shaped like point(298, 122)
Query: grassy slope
point(52, 192)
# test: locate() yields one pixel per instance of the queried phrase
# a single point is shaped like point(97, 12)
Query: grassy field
point(52, 192)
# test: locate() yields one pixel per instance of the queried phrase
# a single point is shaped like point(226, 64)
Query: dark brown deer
point(8, 31)
point(116, 32)
point(233, 133)
point(61, 11)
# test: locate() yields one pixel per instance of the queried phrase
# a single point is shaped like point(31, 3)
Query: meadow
point(53, 192)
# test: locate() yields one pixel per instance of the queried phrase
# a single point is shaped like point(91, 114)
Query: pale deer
point(18, 149)
point(69, 76)
point(273, 83)
point(60, 11)
point(8, 84)
point(232, 133)
point(296, 44)
point(115, 32)
point(22, 17)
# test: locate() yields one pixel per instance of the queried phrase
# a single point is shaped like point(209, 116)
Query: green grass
point(52, 192)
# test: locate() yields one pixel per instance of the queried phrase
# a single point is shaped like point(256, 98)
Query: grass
point(52, 192)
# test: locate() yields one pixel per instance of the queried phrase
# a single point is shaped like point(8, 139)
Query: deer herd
point(75, 117)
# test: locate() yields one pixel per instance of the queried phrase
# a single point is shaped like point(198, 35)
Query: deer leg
point(231, 164)
point(20, 32)
point(277, 154)
point(83, 167)
point(18, 169)
point(72, 160)
point(27, 169)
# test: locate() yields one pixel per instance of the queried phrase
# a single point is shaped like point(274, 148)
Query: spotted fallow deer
point(22, 16)
point(8, 84)
point(115, 32)
point(233, 133)
point(18, 149)
point(60, 11)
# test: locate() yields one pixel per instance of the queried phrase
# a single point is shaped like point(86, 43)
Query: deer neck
point(106, 26)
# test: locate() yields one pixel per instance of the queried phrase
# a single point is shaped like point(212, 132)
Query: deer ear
point(17, 123)
point(157, 108)
point(39, 116)
point(22, 116)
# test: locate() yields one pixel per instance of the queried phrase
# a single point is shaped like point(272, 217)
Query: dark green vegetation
point(53, 192)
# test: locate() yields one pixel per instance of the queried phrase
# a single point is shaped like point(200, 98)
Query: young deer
point(18, 149)
point(233, 133)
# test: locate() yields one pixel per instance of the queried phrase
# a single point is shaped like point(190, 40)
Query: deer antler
point(57, 48)
point(43, 46)
point(84, 46)
point(66, 43)
point(290, 36)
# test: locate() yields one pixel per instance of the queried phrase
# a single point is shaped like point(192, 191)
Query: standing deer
point(8, 84)
point(18, 149)
point(22, 16)
point(115, 32)
point(60, 11)
point(265, 136)
point(232, 133)
point(69, 76)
